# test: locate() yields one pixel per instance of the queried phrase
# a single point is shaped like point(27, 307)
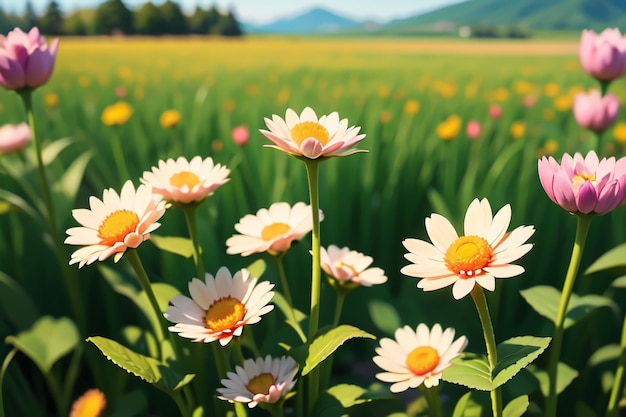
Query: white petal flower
point(264, 380)
point(310, 137)
point(417, 357)
point(185, 182)
point(219, 307)
point(348, 266)
point(483, 254)
point(114, 223)
point(271, 230)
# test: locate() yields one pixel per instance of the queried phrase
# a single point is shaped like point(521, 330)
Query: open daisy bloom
point(417, 357)
point(115, 223)
point(480, 256)
point(219, 307)
point(272, 230)
point(310, 137)
point(185, 182)
point(350, 267)
point(264, 380)
point(584, 185)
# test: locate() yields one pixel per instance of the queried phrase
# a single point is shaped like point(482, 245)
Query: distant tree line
point(113, 17)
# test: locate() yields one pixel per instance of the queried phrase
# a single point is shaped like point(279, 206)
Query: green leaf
point(545, 300)
point(384, 316)
point(52, 151)
point(517, 407)
point(565, 376)
point(324, 345)
point(467, 407)
point(129, 405)
point(47, 341)
point(619, 282)
point(257, 268)
point(613, 259)
point(73, 176)
point(5, 207)
point(605, 354)
point(18, 202)
point(470, 370)
point(293, 317)
point(18, 307)
point(177, 245)
point(515, 354)
point(144, 367)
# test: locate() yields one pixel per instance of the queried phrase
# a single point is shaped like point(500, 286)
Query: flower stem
point(283, 278)
point(316, 274)
point(612, 409)
point(118, 155)
point(582, 229)
point(3, 370)
point(432, 396)
point(480, 300)
point(180, 403)
point(190, 217)
point(327, 365)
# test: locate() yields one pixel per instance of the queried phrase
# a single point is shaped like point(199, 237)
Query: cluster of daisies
point(220, 306)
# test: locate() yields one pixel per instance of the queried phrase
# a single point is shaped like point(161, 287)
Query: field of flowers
point(446, 122)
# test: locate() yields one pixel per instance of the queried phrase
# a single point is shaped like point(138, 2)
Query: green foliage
point(16, 304)
point(174, 244)
point(172, 19)
point(565, 376)
point(384, 316)
point(51, 23)
point(148, 19)
point(517, 407)
point(112, 16)
point(614, 260)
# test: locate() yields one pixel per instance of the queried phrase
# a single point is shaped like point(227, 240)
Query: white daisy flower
point(483, 254)
point(219, 307)
point(272, 230)
point(348, 266)
point(308, 136)
point(417, 357)
point(185, 182)
point(114, 223)
point(260, 381)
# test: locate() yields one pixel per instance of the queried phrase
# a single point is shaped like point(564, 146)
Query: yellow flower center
point(422, 360)
point(305, 130)
point(180, 179)
point(274, 230)
point(224, 314)
point(354, 272)
point(91, 404)
point(261, 383)
point(468, 255)
point(116, 226)
point(580, 178)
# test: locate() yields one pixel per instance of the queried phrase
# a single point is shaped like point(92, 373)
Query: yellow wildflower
point(170, 118)
point(411, 107)
point(619, 132)
point(517, 130)
point(116, 114)
point(449, 128)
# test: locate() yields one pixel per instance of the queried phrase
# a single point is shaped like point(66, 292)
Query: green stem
point(341, 297)
point(582, 229)
point(133, 258)
point(612, 409)
point(3, 370)
point(118, 155)
point(599, 149)
point(432, 396)
point(237, 357)
point(316, 273)
point(180, 403)
point(283, 278)
point(480, 300)
point(604, 86)
point(327, 365)
point(190, 217)
point(220, 359)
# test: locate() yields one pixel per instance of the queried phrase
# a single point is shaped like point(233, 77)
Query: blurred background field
point(399, 90)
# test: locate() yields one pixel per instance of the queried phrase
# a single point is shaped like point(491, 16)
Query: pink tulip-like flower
point(594, 112)
point(603, 55)
point(14, 137)
point(120, 92)
point(26, 61)
point(584, 185)
point(495, 111)
point(473, 129)
point(240, 135)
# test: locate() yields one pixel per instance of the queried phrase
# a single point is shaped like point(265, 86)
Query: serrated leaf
point(545, 300)
point(47, 341)
point(19, 309)
point(604, 354)
point(565, 376)
point(174, 244)
point(384, 316)
point(293, 317)
point(73, 176)
point(470, 370)
point(52, 151)
point(515, 354)
point(517, 407)
point(324, 345)
point(613, 259)
point(144, 367)
point(257, 268)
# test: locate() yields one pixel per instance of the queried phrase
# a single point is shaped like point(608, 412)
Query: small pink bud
point(595, 112)
point(603, 55)
point(495, 111)
point(14, 137)
point(240, 135)
point(473, 129)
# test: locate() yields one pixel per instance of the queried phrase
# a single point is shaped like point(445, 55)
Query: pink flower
point(594, 112)
point(473, 129)
point(240, 135)
point(529, 101)
point(14, 137)
point(584, 185)
point(25, 59)
point(495, 111)
point(120, 91)
point(603, 56)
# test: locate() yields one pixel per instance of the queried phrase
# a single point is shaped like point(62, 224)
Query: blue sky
point(262, 11)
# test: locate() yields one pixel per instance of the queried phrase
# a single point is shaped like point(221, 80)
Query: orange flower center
point(274, 230)
point(468, 255)
point(180, 179)
point(261, 383)
point(422, 360)
point(224, 314)
point(116, 226)
point(305, 130)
